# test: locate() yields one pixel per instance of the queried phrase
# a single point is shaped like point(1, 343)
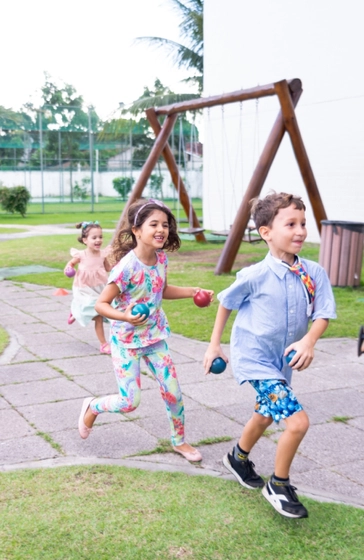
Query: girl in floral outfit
point(90, 279)
point(140, 276)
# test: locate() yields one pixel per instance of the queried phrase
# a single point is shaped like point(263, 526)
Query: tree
point(136, 131)
point(189, 56)
point(160, 95)
point(65, 125)
point(15, 137)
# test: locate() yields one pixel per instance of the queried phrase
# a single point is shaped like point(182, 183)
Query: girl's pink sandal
point(192, 456)
point(82, 428)
point(105, 348)
point(71, 319)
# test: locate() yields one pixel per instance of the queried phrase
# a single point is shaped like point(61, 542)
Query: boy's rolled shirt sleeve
point(233, 296)
point(324, 306)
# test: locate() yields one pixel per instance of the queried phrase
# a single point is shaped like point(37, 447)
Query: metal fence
point(65, 154)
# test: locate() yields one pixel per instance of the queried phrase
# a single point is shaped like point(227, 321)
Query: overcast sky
point(87, 44)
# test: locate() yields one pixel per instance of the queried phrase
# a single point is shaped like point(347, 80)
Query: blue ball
point(141, 308)
point(290, 356)
point(218, 365)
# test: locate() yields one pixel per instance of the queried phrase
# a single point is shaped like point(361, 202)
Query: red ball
point(202, 298)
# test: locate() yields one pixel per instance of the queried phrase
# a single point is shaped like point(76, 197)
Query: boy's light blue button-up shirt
point(272, 314)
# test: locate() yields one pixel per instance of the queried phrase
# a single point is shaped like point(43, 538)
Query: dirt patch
point(212, 256)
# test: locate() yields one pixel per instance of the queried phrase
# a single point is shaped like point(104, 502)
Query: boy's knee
point(299, 422)
point(263, 421)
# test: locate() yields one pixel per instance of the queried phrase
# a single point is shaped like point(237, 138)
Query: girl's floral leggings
point(126, 363)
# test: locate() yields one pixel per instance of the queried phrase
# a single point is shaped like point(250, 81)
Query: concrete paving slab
point(9, 311)
point(37, 327)
point(23, 356)
point(60, 416)
point(21, 450)
point(4, 405)
point(83, 365)
point(339, 403)
point(355, 472)
point(12, 423)
point(240, 412)
point(53, 351)
point(357, 422)
point(52, 366)
point(211, 395)
point(204, 424)
point(48, 390)
point(33, 340)
point(112, 441)
point(20, 373)
point(97, 384)
point(34, 307)
point(325, 442)
point(324, 479)
point(32, 298)
point(14, 319)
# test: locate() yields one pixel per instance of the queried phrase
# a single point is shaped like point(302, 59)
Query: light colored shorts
point(275, 398)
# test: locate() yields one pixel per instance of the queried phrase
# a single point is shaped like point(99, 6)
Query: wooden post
point(291, 125)
point(149, 165)
point(233, 241)
point(176, 178)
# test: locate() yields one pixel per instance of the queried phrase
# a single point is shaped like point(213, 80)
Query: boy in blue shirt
point(275, 299)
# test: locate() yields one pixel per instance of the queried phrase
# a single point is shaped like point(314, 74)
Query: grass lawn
point(4, 340)
point(103, 512)
point(193, 265)
point(112, 512)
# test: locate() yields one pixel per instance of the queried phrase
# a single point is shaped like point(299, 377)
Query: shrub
point(123, 186)
point(81, 191)
point(14, 199)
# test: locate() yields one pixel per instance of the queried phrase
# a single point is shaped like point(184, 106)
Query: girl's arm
point(107, 265)
point(72, 263)
point(180, 292)
point(104, 308)
point(214, 349)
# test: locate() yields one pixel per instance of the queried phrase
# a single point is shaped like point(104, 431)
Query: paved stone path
point(50, 367)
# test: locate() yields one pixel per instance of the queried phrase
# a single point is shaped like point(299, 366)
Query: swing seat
point(246, 237)
point(191, 230)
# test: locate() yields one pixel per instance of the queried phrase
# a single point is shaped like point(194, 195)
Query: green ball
point(141, 308)
point(218, 365)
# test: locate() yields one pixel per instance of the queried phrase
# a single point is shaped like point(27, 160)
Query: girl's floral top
point(139, 283)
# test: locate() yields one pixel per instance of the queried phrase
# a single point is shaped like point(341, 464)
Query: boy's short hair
point(264, 210)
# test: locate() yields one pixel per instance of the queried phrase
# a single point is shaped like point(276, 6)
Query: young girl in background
point(141, 277)
point(90, 279)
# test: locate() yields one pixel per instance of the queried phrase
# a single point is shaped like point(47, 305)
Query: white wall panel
point(251, 43)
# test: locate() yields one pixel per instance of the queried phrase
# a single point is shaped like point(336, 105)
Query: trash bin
point(341, 251)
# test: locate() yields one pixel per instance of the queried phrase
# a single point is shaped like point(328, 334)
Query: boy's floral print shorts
point(275, 398)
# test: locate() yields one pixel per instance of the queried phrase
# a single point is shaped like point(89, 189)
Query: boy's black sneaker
point(284, 499)
point(243, 471)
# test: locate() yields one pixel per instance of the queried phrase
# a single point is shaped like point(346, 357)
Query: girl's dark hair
point(138, 212)
point(85, 228)
point(264, 210)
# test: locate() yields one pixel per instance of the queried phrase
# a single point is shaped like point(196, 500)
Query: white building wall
point(256, 43)
point(56, 183)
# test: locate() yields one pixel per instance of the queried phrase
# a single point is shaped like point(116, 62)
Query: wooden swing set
point(288, 93)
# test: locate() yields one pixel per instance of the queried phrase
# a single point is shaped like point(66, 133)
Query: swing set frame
point(288, 93)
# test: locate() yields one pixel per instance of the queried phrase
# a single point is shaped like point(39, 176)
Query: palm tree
point(191, 27)
point(160, 95)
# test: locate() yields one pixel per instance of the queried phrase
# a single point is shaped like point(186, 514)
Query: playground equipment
point(288, 93)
